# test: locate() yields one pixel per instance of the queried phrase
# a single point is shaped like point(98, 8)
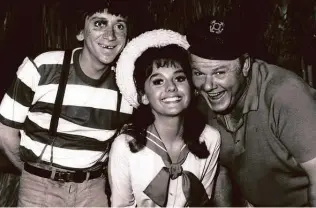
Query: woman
point(166, 155)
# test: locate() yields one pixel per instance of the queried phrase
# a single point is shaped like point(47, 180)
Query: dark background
point(282, 32)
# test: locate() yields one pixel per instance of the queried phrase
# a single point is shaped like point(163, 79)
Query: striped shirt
point(88, 116)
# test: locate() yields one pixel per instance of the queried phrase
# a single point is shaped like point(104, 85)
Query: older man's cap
point(217, 38)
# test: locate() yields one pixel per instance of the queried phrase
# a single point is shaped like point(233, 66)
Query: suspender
point(60, 93)
point(58, 105)
point(52, 132)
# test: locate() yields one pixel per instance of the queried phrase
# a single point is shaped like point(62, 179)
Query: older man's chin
point(211, 106)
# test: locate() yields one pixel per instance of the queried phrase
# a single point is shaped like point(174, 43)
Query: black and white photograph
point(158, 103)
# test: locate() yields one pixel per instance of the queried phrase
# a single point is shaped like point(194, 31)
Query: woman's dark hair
point(142, 117)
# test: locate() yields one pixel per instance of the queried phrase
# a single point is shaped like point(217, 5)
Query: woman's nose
point(171, 86)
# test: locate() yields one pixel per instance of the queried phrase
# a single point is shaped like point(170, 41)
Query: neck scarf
point(158, 188)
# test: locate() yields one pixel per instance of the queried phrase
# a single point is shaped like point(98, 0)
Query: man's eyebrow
point(220, 67)
point(153, 75)
point(97, 17)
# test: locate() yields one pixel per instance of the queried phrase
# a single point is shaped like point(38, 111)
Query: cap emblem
point(216, 27)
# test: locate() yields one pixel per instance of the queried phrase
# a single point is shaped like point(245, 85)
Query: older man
point(266, 116)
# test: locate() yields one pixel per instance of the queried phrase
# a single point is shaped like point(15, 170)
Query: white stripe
point(51, 57)
point(93, 97)
point(61, 156)
point(12, 110)
point(28, 74)
point(64, 126)
point(154, 136)
point(157, 144)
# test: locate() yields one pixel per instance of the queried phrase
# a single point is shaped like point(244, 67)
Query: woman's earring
point(145, 101)
point(196, 92)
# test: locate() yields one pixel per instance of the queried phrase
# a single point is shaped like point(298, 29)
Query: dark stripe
point(63, 140)
point(13, 124)
point(88, 80)
point(50, 74)
point(156, 140)
point(85, 116)
point(21, 93)
point(183, 154)
point(27, 155)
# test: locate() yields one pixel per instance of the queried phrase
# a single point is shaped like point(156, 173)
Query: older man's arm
point(10, 142)
point(223, 189)
point(310, 168)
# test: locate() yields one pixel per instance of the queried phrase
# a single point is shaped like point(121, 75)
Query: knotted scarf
point(158, 188)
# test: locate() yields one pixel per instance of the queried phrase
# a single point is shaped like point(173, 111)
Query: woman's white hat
point(125, 64)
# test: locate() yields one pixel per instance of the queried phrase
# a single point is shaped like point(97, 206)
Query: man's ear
point(80, 36)
point(144, 99)
point(246, 65)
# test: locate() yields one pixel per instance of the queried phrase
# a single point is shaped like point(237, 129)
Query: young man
point(266, 116)
point(67, 169)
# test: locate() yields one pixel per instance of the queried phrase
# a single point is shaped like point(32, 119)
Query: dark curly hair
point(142, 117)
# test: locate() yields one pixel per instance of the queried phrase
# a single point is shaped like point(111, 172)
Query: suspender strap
point(60, 93)
point(118, 108)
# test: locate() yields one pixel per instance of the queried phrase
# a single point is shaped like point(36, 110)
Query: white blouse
point(130, 173)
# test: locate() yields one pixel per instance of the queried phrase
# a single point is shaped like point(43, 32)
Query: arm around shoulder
point(310, 168)
point(119, 176)
point(212, 140)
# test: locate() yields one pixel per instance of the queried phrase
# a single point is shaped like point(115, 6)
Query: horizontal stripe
point(93, 97)
point(28, 74)
point(21, 93)
point(10, 123)
point(80, 116)
point(63, 140)
point(61, 156)
point(66, 127)
point(50, 57)
point(12, 110)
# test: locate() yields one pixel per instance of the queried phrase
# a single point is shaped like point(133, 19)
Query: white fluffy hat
point(125, 64)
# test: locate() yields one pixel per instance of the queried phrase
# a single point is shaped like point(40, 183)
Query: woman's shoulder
point(210, 136)
point(121, 142)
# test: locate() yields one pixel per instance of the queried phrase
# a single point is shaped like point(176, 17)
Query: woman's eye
point(157, 81)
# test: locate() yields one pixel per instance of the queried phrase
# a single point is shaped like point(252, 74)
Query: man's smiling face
point(221, 82)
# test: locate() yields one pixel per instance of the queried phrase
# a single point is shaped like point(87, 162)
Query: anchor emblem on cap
point(216, 27)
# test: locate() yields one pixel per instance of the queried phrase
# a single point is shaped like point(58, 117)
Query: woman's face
point(167, 89)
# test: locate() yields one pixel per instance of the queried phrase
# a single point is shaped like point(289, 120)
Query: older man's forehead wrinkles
point(212, 65)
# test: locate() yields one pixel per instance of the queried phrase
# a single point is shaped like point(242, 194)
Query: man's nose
point(109, 34)
point(208, 84)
